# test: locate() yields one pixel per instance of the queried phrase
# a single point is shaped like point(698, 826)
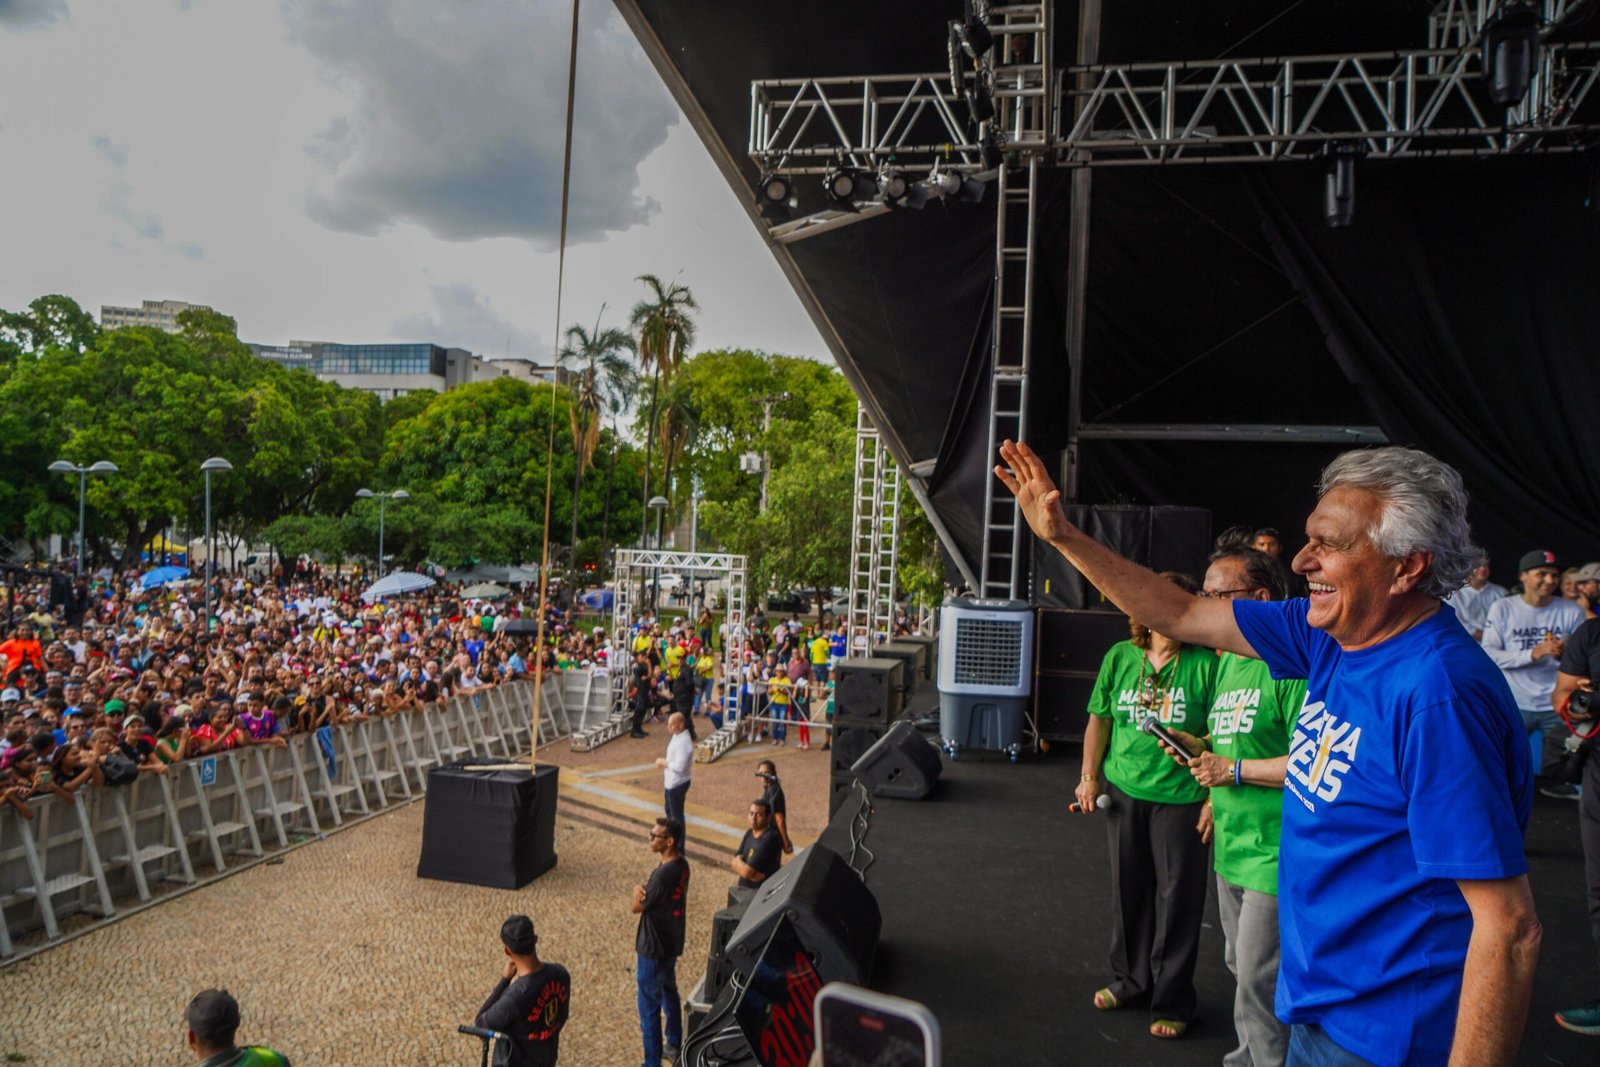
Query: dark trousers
point(1159, 872)
point(674, 801)
point(1589, 828)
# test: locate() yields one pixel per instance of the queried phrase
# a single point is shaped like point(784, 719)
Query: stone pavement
point(341, 957)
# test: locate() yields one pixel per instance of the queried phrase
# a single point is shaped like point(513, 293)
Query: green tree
point(52, 321)
point(605, 379)
point(665, 331)
point(293, 536)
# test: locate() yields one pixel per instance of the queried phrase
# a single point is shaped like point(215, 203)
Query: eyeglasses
point(1223, 594)
point(658, 833)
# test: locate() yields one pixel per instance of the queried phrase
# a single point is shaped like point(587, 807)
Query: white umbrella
point(398, 583)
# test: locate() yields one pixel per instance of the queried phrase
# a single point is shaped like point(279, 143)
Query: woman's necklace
point(1152, 692)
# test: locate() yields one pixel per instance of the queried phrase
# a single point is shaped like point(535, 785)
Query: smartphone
point(859, 1028)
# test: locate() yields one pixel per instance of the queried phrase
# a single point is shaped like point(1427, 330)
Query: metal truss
point(1255, 433)
point(875, 530)
point(1393, 105)
point(627, 565)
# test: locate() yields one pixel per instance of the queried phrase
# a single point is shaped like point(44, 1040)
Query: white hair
point(1424, 510)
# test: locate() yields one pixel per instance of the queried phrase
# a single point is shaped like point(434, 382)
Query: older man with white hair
point(1408, 928)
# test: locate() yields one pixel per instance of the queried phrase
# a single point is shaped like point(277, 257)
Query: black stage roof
point(1458, 313)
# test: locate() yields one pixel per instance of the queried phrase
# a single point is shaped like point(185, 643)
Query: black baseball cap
point(516, 933)
point(213, 1015)
point(1536, 559)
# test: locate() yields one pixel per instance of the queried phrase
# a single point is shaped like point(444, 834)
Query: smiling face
point(1355, 589)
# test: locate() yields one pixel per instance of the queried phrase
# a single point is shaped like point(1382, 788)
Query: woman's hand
point(1087, 793)
point(1206, 824)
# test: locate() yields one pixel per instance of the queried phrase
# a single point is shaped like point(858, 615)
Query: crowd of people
point(113, 680)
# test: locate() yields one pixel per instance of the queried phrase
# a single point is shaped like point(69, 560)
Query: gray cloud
point(108, 150)
point(458, 121)
point(462, 317)
point(32, 14)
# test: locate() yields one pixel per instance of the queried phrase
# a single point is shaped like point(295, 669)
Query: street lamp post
point(382, 498)
point(61, 466)
point(659, 505)
point(216, 464)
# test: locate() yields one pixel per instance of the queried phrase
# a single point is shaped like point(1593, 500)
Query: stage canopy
point(1458, 312)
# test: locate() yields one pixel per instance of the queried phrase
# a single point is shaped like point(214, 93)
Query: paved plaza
point(341, 957)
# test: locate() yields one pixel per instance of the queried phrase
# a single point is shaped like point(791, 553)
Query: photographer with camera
point(1574, 700)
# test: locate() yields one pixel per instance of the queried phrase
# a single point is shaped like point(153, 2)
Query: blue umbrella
point(162, 575)
point(398, 583)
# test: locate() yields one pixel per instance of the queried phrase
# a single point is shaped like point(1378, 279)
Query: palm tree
point(680, 423)
point(665, 333)
point(605, 380)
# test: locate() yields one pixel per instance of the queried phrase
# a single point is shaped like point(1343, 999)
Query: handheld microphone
point(1101, 803)
point(1152, 726)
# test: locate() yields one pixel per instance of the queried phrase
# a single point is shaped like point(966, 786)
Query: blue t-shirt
point(836, 645)
point(472, 648)
point(1409, 769)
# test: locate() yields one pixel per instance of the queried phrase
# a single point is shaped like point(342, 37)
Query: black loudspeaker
point(910, 657)
point(842, 792)
point(833, 913)
point(1067, 640)
point(719, 968)
point(851, 739)
point(846, 801)
point(1061, 704)
point(868, 689)
point(1162, 538)
point(929, 645)
point(901, 764)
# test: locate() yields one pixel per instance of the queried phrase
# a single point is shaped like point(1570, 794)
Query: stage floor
point(995, 902)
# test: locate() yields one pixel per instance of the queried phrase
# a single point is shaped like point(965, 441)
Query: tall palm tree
point(680, 424)
point(665, 333)
point(605, 380)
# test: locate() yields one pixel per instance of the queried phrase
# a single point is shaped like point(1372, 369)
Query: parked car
point(790, 603)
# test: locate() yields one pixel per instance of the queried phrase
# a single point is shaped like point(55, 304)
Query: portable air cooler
point(985, 673)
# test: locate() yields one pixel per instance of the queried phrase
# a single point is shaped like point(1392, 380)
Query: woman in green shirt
point(1159, 868)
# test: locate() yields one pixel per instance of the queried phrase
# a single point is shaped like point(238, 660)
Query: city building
point(391, 370)
point(162, 314)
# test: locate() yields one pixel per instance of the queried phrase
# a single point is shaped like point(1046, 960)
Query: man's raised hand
point(1023, 473)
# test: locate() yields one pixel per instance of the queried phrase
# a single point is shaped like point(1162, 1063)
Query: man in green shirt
point(1246, 746)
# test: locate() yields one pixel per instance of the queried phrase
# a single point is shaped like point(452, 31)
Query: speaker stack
point(868, 697)
point(1068, 651)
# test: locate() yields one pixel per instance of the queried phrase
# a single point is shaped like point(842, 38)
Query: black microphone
point(1101, 803)
point(1152, 726)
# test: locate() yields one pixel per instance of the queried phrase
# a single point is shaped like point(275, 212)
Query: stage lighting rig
point(844, 187)
point(776, 196)
point(980, 96)
point(1510, 52)
point(894, 188)
point(973, 33)
point(1339, 185)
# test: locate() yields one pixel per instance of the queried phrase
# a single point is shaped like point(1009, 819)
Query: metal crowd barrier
point(108, 846)
point(819, 695)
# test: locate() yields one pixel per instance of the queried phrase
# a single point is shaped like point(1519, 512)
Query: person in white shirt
point(1473, 600)
point(676, 765)
point(1525, 635)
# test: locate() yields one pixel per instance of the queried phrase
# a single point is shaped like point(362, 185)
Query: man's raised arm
point(1138, 591)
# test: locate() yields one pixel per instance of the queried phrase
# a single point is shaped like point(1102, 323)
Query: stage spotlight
point(894, 188)
point(974, 34)
point(980, 99)
point(841, 186)
point(943, 184)
point(1510, 51)
point(971, 191)
point(777, 191)
point(1339, 188)
point(958, 63)
point(993, 153)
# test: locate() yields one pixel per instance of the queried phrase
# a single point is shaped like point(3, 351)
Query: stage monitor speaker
point(867, 690)
point(846, 801)
point(833, 914)
point(1070, 640)
point(900, 765)
point(1061, 704)
point(851, 739)
point(719, 967)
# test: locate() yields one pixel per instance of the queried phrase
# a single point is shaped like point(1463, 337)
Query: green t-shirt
point(1252, 717)
point(1178, 695)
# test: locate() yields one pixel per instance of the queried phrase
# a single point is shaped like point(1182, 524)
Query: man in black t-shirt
point(761, 851)
point(1580, 669)
point(531, 1001)
point(660, 903)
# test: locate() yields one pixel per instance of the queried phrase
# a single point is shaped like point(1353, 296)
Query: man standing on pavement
point(660, 903)
point(531, 1001)
point(761, 851)
point(1408, 933)
point(1473, 600)
point(676, 765)
point(1524, 635)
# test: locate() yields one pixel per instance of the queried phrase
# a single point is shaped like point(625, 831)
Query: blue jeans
point(674, 799)
point(780, 725)
point(1310, 1046)
point(658, 993)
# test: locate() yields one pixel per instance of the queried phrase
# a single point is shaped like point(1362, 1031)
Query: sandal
point(1174, 1029)
point(1105, 1000)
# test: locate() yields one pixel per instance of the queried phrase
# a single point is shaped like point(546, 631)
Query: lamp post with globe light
point(214, 465)
point(659, 505)
point(61, 466)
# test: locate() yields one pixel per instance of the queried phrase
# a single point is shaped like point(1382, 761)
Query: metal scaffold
point(875, 533)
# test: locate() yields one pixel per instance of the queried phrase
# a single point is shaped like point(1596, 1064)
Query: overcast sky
point(362, 171)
